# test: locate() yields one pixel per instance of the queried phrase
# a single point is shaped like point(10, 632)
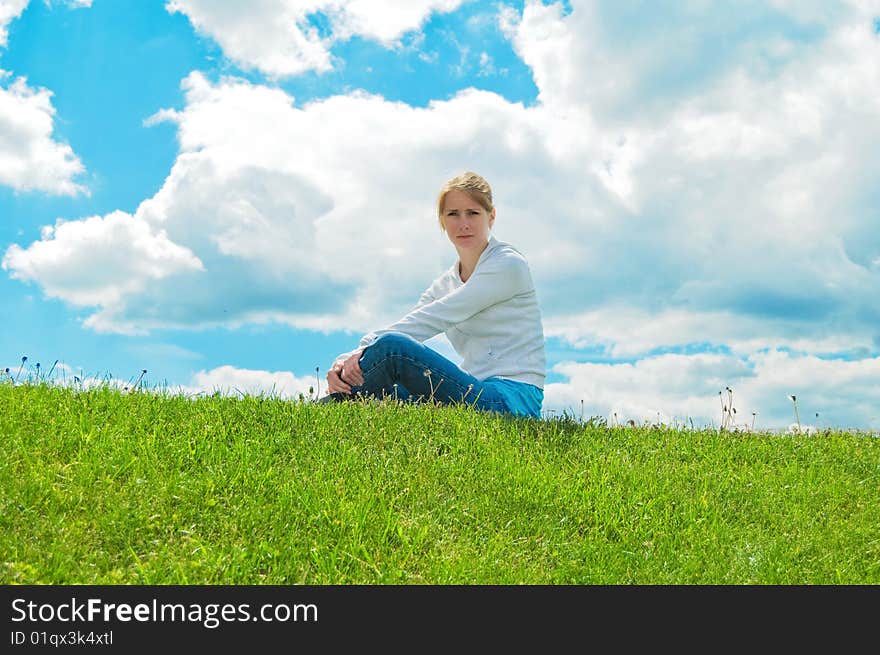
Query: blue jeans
point(398, 366)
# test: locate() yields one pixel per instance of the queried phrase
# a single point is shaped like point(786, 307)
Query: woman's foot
point(332, 398)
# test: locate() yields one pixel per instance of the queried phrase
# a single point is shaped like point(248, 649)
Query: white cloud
point(9, 11)
point(99, 260)
point(272, 196)
point(296, 214)
point(487, 66)
point(30, 160)
point(625, 331)
point(270, 35)
point(384, 20)
point(225, 380)
point(229, 380)
point(278, 38)
point(61, 374)
point(677, 389)
point(626, 60)
point(654, 388)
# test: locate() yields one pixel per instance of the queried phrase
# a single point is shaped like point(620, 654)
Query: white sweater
point(492, 320)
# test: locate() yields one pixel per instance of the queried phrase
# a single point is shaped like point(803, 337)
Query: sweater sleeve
point(493, 282)
point(426, 297)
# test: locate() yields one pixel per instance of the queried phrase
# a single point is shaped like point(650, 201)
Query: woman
point(487, 306)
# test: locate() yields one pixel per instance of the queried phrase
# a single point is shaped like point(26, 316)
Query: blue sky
point(229, 194)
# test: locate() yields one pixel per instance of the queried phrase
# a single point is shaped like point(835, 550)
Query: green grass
point(103, 487)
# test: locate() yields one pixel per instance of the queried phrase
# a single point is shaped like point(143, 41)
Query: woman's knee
point(393, 342)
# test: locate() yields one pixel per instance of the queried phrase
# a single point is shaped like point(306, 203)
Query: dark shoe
point(332, 398)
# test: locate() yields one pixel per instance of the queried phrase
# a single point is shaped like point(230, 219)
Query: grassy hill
point(103, 487)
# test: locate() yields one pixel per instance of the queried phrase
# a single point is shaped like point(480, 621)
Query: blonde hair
point(470, 183)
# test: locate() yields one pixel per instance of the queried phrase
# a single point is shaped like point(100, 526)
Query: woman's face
point(466, 222)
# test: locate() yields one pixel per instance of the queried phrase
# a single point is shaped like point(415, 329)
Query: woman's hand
point(342, 376)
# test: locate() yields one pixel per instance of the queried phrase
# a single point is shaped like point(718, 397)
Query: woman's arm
point(494, 281)
point(348, 362)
